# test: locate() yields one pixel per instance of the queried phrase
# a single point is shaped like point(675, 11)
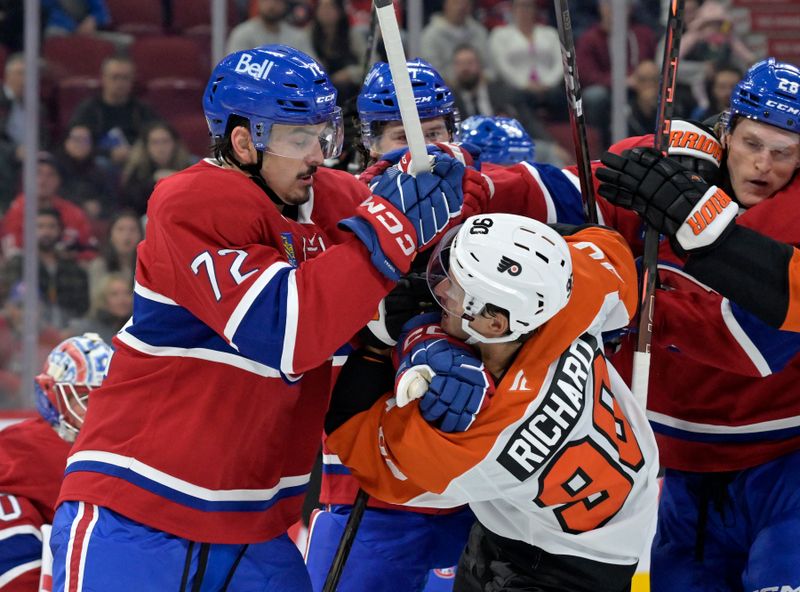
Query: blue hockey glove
point(459, 386)
point(429, 200)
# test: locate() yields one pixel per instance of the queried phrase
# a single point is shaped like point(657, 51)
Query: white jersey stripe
point(552, 216)
point(249, 297)
point(150, 295)
point(290, 331)
point(707, 428)
point(85, 546)
point(743, 340)
point(18, 570)
point(70, 547)
point(208, 355)
point(7, 533)
point(162, 478)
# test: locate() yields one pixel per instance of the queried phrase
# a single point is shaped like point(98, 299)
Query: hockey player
point(725, 417)
point(199, 446)
point(33, 455)
point(396, 548)
point(501, 140)
point(560, 465)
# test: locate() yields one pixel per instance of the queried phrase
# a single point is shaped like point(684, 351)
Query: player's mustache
point(311, 170)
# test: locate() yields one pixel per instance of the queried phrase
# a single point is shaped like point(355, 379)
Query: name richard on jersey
point(542, 433)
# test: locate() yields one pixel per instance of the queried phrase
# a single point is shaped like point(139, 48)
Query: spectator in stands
point(156, 155)
point(118, 254)
point(450, 29)
point(527, 55)
point(63, 283)
point(11, 334)
point(267, 27)
point(643, 100)
point(84, 180)
point(719, 84)
point(68, 17)
point(475, 95)
point(340, 49)
point(115, 116)
point(709, 38)
point(112, 306)
point(594, 64)
point(77, 235)
point(12, 127)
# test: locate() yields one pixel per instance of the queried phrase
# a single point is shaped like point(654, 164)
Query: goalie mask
point(509, 261)
point(74, 367)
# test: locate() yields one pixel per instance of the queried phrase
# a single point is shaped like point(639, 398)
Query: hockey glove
point(459, 386)
point(410, 297)
point(674, 201)
point(429, 200)
point(695, 147)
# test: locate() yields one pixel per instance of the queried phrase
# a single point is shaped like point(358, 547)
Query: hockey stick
point(396, 56)
point(576, 118)
point(669, 71)
point(346, 542)
point(372, 43)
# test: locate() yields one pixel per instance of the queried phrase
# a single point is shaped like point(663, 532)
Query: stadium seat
point(139, 18)
point(173, 97)
point(191, 15)
point(193, 130)
point(70, 93)
point(165, 57)
point(76, 55)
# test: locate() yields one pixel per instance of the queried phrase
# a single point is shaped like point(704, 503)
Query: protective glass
point(446, 290)
point(300, 142)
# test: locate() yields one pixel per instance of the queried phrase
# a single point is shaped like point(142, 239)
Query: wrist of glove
point(672, 200)
point(409, 298)
point(458, 386)
point(430, 200)
point(388, 235)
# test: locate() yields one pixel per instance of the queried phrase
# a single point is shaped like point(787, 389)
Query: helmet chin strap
point(254, 172)
point(475, 337)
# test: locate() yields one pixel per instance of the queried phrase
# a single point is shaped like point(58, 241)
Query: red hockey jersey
point(210, 418)
point(32, 461)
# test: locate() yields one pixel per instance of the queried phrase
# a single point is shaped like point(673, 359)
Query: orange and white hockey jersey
point(562, 459)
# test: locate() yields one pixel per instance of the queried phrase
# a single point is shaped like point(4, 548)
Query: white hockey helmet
point(509, 261)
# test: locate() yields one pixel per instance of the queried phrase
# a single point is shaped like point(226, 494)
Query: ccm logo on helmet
point(257, 71)
point(782, 107)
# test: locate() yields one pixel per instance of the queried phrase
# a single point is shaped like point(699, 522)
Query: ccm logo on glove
point(391, 223)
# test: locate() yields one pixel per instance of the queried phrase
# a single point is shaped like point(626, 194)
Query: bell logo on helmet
point(509, 265)
point(257, 71)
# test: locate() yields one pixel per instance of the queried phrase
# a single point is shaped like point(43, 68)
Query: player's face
point(291, 159)
point(394, 136)
point(761, 160)
point(450, 296)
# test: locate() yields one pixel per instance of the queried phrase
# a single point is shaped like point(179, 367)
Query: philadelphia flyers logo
point(509, 265)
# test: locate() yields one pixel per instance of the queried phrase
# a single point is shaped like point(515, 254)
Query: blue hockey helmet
point(502, 140)
point(377, 101)
point(769, 93)
point(269, 85)
point(74, 367)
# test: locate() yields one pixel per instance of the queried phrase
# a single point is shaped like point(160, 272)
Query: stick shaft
point(576, 117)
point(396, 56)
point(669, 72)
point(346, 542)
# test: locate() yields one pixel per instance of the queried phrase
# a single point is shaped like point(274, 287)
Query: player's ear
point(496, 325)
point(242, 145)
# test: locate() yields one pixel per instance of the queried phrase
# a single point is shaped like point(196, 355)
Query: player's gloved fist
point(695, 147)
point(410, 297)
point(429, 200)
point(459, 386)
point(672, 200)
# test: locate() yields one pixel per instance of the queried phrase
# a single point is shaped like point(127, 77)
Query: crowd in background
point(107, 138)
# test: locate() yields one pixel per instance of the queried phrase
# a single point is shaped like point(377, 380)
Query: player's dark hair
point(222, 149)
point(493, 311)
point(53, 213)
